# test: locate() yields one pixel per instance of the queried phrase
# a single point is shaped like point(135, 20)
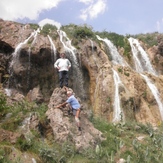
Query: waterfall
point(143, 64)
point(16, 54)
point(53, 49)
point(142, 61)
point(29, 53)
point(118, 113)
point(116, 57)
point(155, 92)
point(67, 44)
point(117, 60)
point(20, 45)
point(78, 83)
point(17, 49)
point(8, 91)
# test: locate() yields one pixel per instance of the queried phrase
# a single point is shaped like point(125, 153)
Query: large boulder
point(64, 126)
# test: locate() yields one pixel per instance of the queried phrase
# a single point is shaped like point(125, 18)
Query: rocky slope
point(27, 59)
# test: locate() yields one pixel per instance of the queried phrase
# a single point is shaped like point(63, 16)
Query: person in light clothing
point(63, 65)
point(75, 105)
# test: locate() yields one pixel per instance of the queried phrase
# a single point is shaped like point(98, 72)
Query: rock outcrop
point(27, 59)
point(64, 126)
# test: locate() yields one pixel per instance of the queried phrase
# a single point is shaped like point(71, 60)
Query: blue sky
point(119, 16)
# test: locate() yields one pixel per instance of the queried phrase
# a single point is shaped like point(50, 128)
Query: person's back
point(73, 102)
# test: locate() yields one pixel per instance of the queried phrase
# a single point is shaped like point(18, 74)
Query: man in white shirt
point(63, 65)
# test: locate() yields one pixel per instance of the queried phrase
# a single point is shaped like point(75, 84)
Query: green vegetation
point(117, 40)
point(78, 32)
point(3, 105)
point(150, 39)
point(131, 141)
point(48, 28)
point(34, 26)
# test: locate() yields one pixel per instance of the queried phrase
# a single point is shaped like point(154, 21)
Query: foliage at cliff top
point(85, 31)
point(150, 39)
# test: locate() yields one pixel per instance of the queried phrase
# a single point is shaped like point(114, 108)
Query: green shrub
point(47, 29)
point(116, 39)
point(150, 39)
point(82, 31)
point(34, 26)
point(3, 105)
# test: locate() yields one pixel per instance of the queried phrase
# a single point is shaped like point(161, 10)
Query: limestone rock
point(64, 125)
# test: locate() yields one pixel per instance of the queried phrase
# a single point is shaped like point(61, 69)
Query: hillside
point(118, 80)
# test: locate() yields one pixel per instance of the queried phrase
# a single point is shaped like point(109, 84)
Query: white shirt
point(63, 64)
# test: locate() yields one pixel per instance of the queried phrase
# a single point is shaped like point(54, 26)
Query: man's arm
point(60, 105)
point(56, 64)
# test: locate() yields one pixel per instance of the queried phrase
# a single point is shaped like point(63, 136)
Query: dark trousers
point(63, 78)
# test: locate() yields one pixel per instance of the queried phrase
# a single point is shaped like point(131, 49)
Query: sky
point(119, 16)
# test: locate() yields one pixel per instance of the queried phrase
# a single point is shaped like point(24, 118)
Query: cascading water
point(66, 42)
point(142, 61)
point(155, 92)
point(16, 53)
point(116, 57)
point(29, 53)
point(118, 113)
point(78, 85)
point(20, 45)
point(117, 60)
point(8, 91)
point(53, 56)
point(17, 49)
point(145, 65)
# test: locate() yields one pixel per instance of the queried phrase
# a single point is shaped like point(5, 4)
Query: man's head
point(69, 92)
point(62, 55)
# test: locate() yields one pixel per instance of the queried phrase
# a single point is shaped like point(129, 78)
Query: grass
point(134, 142)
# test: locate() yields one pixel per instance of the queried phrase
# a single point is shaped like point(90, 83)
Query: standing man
point(63, 65)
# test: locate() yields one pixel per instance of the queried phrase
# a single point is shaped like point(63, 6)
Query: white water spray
point(20, 45)
point(116, 57)
point(53, 49)
point(142, 64)
point(29, 53)
point(145, 66)
point(79, 82)
point(155, 92)
point(67, 43)
point(118, 113)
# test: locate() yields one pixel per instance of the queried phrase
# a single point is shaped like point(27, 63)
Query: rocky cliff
point(105, 85)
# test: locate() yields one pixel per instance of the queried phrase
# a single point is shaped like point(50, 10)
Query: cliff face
point(114, 91)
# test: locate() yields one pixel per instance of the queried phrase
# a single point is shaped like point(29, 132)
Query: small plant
point(3, 105)
point(47, 29)
point(34, 26)
point(120, 70)
point(24, 144)
point(108, 99)
point(145, 94)
point(126, 73)
point(3, 157)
